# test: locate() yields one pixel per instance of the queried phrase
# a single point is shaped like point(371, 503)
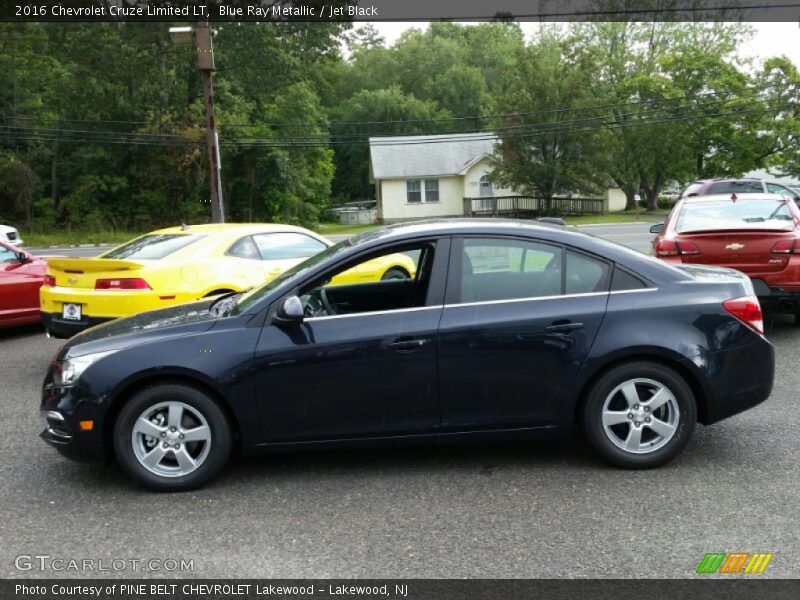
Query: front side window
point(153, 246)
point(495, 269)
point(284, 246)
point(431, 190)
point(392, 280)
point(414, 191)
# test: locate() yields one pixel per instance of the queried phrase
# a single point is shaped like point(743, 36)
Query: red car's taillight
point(786, 247)
point(747, 310)
point(49, 281)
point(121, 284)
point(673, 248)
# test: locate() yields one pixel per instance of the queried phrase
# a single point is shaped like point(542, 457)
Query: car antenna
point(184, 226)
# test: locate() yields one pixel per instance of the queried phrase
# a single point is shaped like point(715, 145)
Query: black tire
point(684, 418)
point(219, 446)
point(395, 273)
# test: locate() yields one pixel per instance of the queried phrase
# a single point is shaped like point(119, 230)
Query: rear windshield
point(153, 246)
point(735, 187)
point(741, 214)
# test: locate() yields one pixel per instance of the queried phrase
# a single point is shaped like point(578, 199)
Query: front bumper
point(65, 328)
point(62, 410)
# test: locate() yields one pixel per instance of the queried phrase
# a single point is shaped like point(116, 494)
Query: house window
point(431, 190)
point(413, 191)
point(485, 187)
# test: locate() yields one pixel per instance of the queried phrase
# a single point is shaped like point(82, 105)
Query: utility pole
point(201, 35)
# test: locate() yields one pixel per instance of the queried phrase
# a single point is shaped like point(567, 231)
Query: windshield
point(741, 214)
point(153, 246)
point(255, 295)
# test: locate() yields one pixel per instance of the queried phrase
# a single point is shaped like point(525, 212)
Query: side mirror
point(23, 257)
point(657, 228)
point(290, 312)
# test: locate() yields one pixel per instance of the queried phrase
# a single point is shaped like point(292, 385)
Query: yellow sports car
point(183, 264)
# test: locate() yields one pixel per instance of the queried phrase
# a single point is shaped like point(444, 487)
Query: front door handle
point(563, 327)
point(406, 345)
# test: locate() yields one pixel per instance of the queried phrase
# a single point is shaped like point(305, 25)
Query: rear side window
point(692, 189)
point(735, 187)
point(284, 246)
point(245, 248)
point(585, 275)
point(622, 280)
point(774, 188)
point(497, 269)
point(152, 246)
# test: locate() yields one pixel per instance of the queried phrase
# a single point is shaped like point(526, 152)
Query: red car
point(757, 234)
point(21, 276)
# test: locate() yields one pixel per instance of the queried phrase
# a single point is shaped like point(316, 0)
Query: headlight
point(67, 372)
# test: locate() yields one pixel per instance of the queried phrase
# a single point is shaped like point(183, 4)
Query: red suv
point(757, 234)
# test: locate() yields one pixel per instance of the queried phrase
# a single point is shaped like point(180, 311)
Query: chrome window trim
point(375, 312)
point(481, 302)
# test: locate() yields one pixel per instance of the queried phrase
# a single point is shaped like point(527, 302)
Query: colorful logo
point(734, 562)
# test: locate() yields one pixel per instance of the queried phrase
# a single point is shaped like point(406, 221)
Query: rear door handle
point(406, 345)
point(561, 327)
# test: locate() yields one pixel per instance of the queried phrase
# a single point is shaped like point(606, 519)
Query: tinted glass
point(494, 269)
point(622, 280)
point(774, 188)
point(735, 187)
point(692, 189)
point(152, 246)
point(245, 248)
point(741, 214)
point(282, 246)
point(585, 275)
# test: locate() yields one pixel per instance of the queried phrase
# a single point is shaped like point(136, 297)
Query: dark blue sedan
point(506, 329)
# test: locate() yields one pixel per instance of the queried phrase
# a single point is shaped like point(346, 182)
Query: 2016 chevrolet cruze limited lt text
point(505, 329)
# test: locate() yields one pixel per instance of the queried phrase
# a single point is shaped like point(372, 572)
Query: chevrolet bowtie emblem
point(72, 280)
point(734, 246)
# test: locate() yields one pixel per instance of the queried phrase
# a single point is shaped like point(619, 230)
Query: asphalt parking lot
point(510, 510)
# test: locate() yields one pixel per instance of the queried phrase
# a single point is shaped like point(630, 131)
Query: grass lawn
point(338, 229)
point(69, 238)
point(628, 216)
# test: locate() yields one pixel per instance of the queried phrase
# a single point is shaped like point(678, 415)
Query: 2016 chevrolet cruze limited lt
point(505, 329)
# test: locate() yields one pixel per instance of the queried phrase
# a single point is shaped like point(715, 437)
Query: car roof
point(739, 196)
point(231, 228)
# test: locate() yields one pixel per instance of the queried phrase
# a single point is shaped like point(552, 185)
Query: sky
point(769, 39)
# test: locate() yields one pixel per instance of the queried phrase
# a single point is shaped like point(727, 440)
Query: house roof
point(400, 157)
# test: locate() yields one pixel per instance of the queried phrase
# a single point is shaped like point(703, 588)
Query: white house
point(419, 177)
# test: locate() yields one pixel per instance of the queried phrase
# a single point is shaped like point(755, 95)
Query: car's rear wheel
point(395, 273)
point(172, 437)
point(639, 415)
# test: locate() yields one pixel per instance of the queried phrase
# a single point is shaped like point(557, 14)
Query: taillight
point(49, 281)
point(786, 247)
point(747, 310)
point(121, 284)
point(673, 248)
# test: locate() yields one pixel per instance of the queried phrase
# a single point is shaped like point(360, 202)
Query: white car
point(11, 235)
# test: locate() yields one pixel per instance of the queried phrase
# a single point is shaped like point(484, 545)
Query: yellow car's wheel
point(396, 273)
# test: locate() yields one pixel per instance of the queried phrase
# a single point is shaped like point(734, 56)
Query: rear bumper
point(774, 296)
point(736, 379)
point(64, 328)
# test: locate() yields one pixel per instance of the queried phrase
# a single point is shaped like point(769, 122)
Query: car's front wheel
point(639, 415)
point(172, 437)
